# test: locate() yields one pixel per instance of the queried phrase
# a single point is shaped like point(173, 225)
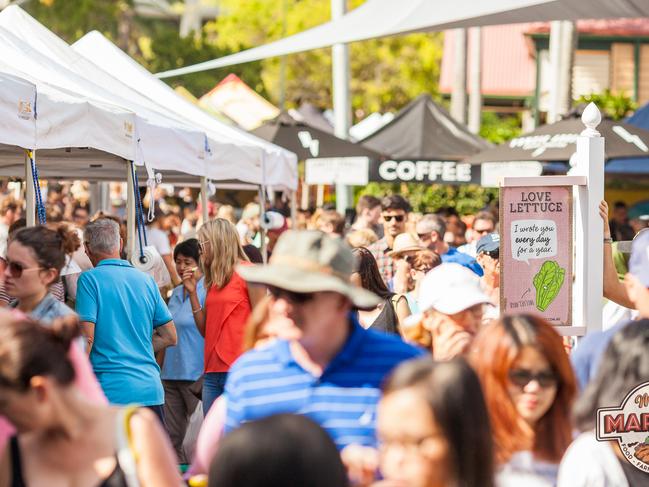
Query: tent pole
point(555, 60)
point(293, 209)
point(458, 95)
point(475, 95)
point(130, 211)
point(568, 38)
point(204, 199)
point(341, 100)
point(30, 193)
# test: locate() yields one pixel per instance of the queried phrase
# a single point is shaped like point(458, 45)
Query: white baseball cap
point(450, 288)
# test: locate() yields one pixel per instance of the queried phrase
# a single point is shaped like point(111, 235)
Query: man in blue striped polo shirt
point(333, 373)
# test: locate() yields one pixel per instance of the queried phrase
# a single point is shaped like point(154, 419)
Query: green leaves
point(548, 282)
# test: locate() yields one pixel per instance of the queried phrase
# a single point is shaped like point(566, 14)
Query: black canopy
point(309, 142)
point(558, 141)
point(425, 143)
point(423, 130)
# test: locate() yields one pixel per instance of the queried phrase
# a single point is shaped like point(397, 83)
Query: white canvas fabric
point(17, 102)
point(381, 18)
point(236, 155)
point(164, 142)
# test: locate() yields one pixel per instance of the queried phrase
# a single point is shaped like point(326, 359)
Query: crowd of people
point(306, 352)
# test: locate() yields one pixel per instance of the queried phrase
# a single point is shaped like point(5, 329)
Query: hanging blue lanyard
point(40, 207)
point(139, 214)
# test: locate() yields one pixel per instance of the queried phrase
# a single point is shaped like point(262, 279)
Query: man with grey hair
point(124, 320)
point(431, 229)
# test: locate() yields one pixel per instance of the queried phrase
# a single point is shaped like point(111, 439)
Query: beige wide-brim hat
point(310, 261)
point(405, 242)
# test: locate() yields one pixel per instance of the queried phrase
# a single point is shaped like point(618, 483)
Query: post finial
point(591, 118)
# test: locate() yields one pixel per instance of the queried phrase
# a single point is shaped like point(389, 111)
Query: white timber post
point(458, 95)
point(475, 94)
point(130, 210)
point(30, 193)
point(589, 230)
point(204, 200)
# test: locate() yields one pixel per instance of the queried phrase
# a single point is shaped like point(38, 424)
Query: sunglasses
point(297, 298)
point(494, 254)
point(522, 377)
point(201, 246)
point(398, 218)
point(16, 269)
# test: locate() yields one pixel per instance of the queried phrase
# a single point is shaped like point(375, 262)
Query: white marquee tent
point(382, 18)
point(279, 166)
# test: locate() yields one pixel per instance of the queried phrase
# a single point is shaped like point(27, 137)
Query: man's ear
point(121, 244)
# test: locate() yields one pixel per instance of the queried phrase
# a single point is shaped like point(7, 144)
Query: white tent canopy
point(163, 141)
point(264, 162)
point(381, 18)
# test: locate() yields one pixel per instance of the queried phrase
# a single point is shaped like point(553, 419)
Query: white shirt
point(158, 239)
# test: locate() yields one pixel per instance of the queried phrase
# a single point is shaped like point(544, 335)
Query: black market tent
point(309, 142)
point(424, 142)
point(633, 165)
point(425, 130)
point(381, 18)
point(313, 116)
point(557, 142)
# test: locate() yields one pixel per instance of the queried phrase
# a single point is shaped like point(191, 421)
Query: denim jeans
point(213, 386)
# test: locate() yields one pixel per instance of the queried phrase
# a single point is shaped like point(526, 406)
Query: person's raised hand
point(362, 463)
point(189, 279)
point(603, 212)
point(450, 341)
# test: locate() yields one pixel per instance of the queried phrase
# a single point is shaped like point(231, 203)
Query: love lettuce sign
point(536, 251)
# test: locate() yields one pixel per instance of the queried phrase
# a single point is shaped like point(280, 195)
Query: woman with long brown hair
point(228, 303)
point(529, 387)
point(394, 309)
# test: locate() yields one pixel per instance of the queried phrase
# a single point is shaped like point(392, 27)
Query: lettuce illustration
point(548, 282)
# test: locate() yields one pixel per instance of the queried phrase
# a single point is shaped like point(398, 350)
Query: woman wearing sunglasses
point(35, 257)
point(529, 387)
point(228, 302)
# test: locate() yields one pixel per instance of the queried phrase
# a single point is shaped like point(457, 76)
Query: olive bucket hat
point(309, 261)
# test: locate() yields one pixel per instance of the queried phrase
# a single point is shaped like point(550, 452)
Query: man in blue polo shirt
point(124, 321)
point(333, 373)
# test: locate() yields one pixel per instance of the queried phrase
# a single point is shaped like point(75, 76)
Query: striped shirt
point(342, 400)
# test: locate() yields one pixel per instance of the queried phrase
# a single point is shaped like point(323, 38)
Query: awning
point(558, 142)
point(382, 18)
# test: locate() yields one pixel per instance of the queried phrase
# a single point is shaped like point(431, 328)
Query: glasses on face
point(406, 445)
point(297, 298)
point(522, 377)
point(494, 254)
point(398, 218)
point(423, 236)
point(16, 269)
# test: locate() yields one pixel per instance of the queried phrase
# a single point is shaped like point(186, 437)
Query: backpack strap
point(126, 457)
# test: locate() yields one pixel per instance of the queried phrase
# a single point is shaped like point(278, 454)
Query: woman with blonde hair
point(228, 302)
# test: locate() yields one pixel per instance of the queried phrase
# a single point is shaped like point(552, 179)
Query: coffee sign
point(440, 172)
point(536, 252)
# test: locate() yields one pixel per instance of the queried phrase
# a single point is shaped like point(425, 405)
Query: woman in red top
point(228, 303)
